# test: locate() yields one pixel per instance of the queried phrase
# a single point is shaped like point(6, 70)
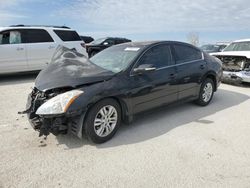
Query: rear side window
point(36, 36)
point(65, 35)
point(184, 53)
point(158, 56)
point(10, 37)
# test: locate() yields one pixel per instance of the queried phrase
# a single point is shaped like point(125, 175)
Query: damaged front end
point(235, 68)
point(56, 105)
point(57, 123)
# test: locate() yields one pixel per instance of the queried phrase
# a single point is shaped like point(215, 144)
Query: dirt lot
point(181, 146)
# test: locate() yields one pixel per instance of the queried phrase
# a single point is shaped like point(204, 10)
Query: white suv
point(30, 48)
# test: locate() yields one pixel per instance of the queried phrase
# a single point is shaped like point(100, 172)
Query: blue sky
point(213, 20)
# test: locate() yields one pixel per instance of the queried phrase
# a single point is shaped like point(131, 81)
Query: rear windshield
point(67, 35)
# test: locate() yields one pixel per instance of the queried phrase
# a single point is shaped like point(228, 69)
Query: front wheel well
point(122, 105)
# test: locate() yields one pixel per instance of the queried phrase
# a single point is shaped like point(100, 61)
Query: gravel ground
point(182, 146)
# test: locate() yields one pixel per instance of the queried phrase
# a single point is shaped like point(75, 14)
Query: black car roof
point(116, 38)
point(149, 43)
point(139, 44)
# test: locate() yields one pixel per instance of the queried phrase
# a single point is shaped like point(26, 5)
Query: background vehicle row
point(30, 48)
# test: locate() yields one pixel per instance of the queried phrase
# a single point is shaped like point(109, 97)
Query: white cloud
point(161, 15)
point(7, 14)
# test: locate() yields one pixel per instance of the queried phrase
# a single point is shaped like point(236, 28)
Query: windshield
point(238, 46)
point(98, 41)
point(116, 58)
point(210, 47)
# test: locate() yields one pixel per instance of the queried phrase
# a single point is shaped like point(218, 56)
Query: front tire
point(206, 92)
point(102, 121)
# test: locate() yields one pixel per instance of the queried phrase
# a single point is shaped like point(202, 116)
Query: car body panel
point(153, 89)
point(233, 53)
point(66, 72)
point(189, 78)
point(39, 54)
point(134, 92)
point(16, 61)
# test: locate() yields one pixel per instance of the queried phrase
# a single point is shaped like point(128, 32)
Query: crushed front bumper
point(55, 124)
point(241, 76)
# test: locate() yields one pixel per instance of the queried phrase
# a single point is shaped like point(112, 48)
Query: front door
point(156, 88)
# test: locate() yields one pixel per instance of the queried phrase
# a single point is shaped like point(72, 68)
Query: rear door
point(154, 88)
point(40, 48)
point(191, 67)
point(12, 52)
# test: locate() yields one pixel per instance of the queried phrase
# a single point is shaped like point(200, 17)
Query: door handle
point(19, 48)
point(202, 66)
point(173, 75)
point(51, 47)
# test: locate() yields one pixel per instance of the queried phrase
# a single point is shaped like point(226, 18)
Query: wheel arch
point(123, 106)
point(212, 76)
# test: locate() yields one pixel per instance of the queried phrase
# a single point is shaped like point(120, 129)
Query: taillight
point(83, 45)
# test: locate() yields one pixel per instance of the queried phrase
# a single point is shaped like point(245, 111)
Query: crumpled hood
point(70, 69)
point(233, 53)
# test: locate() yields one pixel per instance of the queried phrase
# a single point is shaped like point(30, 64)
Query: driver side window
point(157, 56)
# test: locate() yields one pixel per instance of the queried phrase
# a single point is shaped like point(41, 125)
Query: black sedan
point(100, 44)
point(93, 96)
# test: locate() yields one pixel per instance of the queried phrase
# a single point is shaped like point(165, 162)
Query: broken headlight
point(59, 104)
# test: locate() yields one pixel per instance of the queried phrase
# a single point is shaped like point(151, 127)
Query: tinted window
point(158, 56)
point(65, 35)
point(36, 36)
point(10, 37)
point(184, 53)
point(110, 41)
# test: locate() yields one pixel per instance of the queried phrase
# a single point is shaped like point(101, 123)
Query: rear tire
point(102, 121)
point(206, 92)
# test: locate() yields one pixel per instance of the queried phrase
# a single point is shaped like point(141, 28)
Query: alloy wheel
point(207, 92)
point(105, 120)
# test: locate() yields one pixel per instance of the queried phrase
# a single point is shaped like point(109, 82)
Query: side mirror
point(144, 68)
